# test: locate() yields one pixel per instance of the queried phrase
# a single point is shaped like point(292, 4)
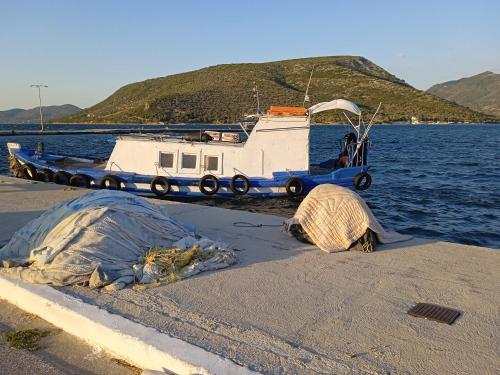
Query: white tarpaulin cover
point(335, 217)
point(346, 105)
point(98, 238)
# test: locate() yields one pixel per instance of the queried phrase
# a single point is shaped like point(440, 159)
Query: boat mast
point(256, 95)
point(306, 97)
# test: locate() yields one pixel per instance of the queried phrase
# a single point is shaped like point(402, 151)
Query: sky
point(84, 50)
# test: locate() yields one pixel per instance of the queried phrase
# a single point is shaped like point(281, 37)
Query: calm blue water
point(434, 181)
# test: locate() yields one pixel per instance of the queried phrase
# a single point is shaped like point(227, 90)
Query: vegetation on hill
point(223, 93)
point(32, 116)
point(480, 92)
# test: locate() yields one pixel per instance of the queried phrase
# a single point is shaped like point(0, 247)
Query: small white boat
point(273, 160)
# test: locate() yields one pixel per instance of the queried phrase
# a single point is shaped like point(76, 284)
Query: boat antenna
point(306, 97)
point(352, 124)
point(256, 95)
point(371, 122)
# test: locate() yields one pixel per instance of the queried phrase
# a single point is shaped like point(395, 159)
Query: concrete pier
point(290, 308)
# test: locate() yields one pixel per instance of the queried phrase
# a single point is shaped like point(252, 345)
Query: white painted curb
point(142, 346)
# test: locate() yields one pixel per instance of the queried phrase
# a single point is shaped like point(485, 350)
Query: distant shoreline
point(236, 124)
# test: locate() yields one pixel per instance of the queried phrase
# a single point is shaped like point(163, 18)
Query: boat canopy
point(346, 105)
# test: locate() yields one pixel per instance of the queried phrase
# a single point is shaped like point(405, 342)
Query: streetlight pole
point(40, 103)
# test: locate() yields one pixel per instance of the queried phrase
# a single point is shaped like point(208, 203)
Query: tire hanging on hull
point(163, 183)
point(44, 175)
point(62, 178)
point(233, 184)
point(80, 180)
point(111, 182)
point(295, 186)
point(362, 181)
point(28, 171)
point(205, 189)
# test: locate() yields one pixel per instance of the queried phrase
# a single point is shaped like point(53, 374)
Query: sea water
point(435, 181)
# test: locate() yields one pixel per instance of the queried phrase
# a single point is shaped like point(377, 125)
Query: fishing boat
point(270, 159)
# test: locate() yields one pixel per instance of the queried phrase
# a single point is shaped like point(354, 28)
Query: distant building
point(414, 120)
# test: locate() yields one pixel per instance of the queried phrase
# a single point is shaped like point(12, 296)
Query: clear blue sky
point(85, 50)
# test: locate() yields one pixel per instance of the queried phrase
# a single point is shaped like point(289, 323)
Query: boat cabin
point(279, 142)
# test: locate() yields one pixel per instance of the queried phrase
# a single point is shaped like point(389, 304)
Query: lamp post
point(40, 103)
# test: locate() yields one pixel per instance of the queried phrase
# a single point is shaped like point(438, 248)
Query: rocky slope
point(480, 92)
point(222, 93)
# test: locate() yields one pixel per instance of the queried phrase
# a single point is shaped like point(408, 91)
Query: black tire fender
point(44, 175)
point(234, 181)
point(80, 180)
point(28, 171)
point(62, 178)
point(203, 187)
point(163, 182)
point(110, 182)
point(362, 181)
point(295, 186)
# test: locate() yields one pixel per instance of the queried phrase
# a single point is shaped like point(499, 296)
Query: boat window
point(211, 163)
point(166, 160)
point(188, 161)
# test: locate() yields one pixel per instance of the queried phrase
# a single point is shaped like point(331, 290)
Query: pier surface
point(287, 307)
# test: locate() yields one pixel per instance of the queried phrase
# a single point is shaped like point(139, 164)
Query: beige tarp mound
point(334, 217)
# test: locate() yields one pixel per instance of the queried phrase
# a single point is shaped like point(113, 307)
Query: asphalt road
point(59, 353)
point(24, 362)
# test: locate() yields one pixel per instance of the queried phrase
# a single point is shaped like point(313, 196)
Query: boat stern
point(351, 178)
point(13, 147)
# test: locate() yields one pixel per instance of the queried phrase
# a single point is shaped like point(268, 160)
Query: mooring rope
point(244, 224)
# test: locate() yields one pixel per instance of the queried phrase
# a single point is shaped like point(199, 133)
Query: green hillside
point(480, 92)
point(222, 93)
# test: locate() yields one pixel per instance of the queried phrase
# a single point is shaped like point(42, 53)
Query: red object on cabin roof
point(286, 111)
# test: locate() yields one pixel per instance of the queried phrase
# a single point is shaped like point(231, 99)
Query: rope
point(15, 166)
point(244, 224)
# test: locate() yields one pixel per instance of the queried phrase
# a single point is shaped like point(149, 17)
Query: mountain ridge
point(32, 115)
point(222, 93)
point(480, 92)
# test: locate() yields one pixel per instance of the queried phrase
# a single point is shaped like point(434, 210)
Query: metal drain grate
point(434, 312)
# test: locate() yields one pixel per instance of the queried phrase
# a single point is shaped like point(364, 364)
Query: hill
point(222, 93)
point(480, 92)
point(29, 116)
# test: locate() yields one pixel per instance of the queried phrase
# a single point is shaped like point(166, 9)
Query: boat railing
point(357, 153)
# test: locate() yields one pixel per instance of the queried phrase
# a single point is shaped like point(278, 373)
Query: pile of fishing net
point(15, 167)
point(187, 257)
point(335, 219)
point(110, 239)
